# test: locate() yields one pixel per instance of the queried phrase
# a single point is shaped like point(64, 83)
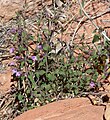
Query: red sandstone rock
point(5, 79)
point(8, 8)
point(69, 109)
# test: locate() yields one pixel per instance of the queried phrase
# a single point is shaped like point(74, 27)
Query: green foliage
point(96, 38)
point(82, 3)
point(47, 76)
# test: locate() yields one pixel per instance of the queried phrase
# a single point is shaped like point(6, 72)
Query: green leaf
point(76, 91)
point(89, 71)
point(96, 38)
point(56, 71)
point(94, 31)
point(22, 77)
point(95, 76)
point(50, 77)
point(83, 36)
point(70, 71)
point(88, 78)
point(20, 97)
point(38, 38)
point(22, 64)
point(30, 61)
point(53, 85)
point(75, 73)
point(48, 87)
point(14, 37)
point(46, 47)
point(41, 72)
point(28, 91)
point(46, 31)
point(80, 12)
point(82, 3)
point(24, 34)
point(31, 37)
point(67, 86)
point(62, 72)
point(37, 74)
point(42, 63)
point(79, 73)
point(32, 81)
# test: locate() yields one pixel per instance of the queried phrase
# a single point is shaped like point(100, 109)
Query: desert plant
point(44, 75)
point(49, 73)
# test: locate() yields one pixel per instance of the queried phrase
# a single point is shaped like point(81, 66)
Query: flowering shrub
point(44, 75)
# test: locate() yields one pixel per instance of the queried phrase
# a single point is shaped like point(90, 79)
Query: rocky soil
point(70, 109)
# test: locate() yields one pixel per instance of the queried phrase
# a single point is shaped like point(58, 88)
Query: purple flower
point(34, 58)
point(12, 50)
point(13, 30)
point(25, 74)
point(17, 57)
point(51, 44)
point(20, 30)
point(14, 71)
point(17, 73)
point(92, 84)
point(40, 47)
point(12, 64)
